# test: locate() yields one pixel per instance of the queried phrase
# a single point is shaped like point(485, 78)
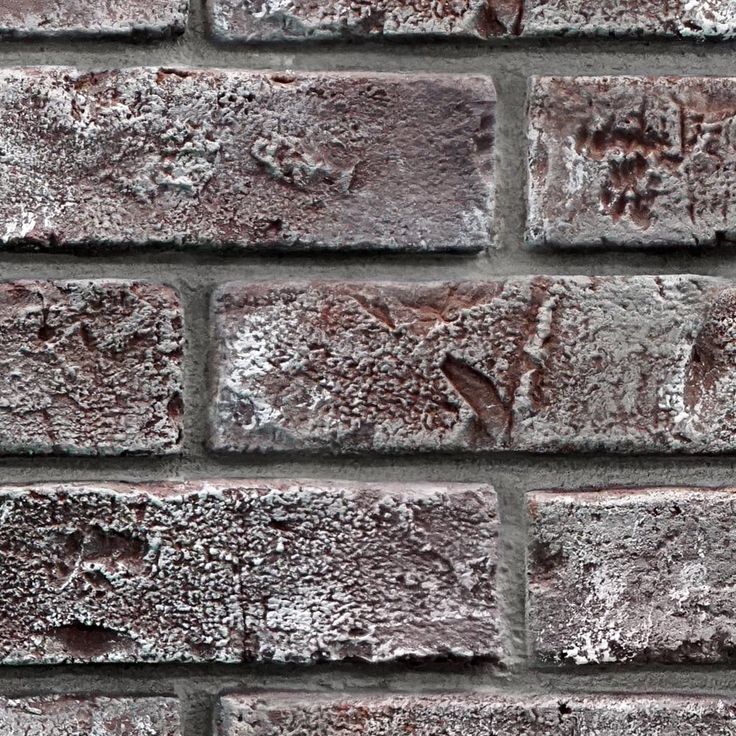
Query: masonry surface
point(221, 261)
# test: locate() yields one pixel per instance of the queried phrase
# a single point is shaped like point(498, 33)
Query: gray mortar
point(510, 63)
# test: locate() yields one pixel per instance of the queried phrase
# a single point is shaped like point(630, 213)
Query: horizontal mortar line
point(509, 470)
point(349, 680)
point(542, 57)
point(196, 274)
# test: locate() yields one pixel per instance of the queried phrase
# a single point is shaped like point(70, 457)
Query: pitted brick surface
point(631, 161)
point(96, 18)
point(239, 570)
point(68, 715)
point(234, 159)
point(281, 714)
point(375, 572)
point(90, 367)
point(269, 20)
point(632, 575)
point(531, 363)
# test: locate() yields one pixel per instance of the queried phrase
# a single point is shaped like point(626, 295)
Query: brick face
point(237, 160)
point(70, 715)
point(90, 368)
point(639, 575)
point(631, 161)
point(248, 20)
point(281, 714)
point(95, 18)
point(231, 571)
point(542, 364)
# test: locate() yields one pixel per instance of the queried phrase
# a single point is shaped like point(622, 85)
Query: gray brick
point(90, 367)
point(631, 161)
point(282, 714)
point(637, 575)
point(71, 715)
point(627, 364)
point(240, 570)
point(92, 18)
point(238, 160)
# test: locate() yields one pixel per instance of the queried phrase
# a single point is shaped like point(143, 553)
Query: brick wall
point(367, 367)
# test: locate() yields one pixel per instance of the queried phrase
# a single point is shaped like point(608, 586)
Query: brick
point(293, 714)
point(248, 20)
point(632, 575)
point(238, 160)
point(69, 715)
point(631, 161)
point(627, 364)
point(236, 570)
point(697, 20)
point(90, 367)
point(92, 18)
point(376, 572)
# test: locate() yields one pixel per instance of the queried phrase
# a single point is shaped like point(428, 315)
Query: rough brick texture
point(67, 715)
point(232, 159)
point(280, 714)
point(234, 570)
point(90, 367)
point(531, 363)
point(263, 20)
point(632, 575)
point(631, 161)
point(96, 18)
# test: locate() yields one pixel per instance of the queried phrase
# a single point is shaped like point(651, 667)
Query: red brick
point(247, 20)
point(294, 714)
point(532, 363)
point(234, 159)
point(92, 18)
point(70, 715)
point(90, 367)
point(631, 161)
point(238, 570)
point(640, 575)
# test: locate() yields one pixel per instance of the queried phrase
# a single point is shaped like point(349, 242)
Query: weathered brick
point(90, 367)
point(532, 363)
point(69, 715)
point(233, 159)
point(96, 18)
point(631, 161)
point(108, 572)
point(233, 570)
point(282, 714)
point(632, 575)
point(268, 20)
point(696, 19)
point(375, 572)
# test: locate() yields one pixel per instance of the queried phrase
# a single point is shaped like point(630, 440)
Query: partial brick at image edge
point(229, 160)
point(230, 571)
point(631, 575)
point(92, 367)
point(266, 713)
point(74, 715)
point(399, 367)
